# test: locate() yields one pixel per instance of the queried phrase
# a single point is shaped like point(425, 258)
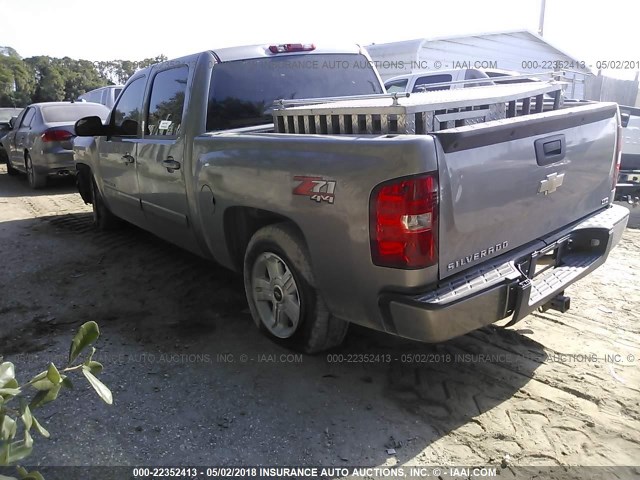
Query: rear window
point(116, 92)
point(72, 113)
point(242, 92)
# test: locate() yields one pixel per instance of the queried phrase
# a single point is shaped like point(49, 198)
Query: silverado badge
point(551, 183)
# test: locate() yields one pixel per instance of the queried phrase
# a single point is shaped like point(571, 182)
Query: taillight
point(292, 47)
point(618, 153)
point(56, 135)
point(404, 222)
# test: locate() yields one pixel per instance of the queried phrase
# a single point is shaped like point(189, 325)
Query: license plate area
point(545, 259)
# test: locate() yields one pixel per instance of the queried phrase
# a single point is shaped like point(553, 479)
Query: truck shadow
point(182, 352)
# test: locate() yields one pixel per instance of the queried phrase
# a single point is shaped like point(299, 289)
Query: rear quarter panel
point(258, 171)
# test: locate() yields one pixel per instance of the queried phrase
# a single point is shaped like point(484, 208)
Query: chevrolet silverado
point(427, 215)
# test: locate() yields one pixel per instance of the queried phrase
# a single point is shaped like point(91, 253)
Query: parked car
point(105, 95)
point(436, 80)
point(628, 187)
point(371, 209)
point(5, 125)
point(39, 143)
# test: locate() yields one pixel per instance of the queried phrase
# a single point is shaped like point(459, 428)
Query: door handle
point(128, 159)
point(171, 165)
point(550, 149)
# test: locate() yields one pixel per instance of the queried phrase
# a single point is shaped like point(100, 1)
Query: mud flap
point(83, 183)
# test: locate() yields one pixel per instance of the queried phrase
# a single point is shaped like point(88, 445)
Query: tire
point(283, 300)
point(10, 168)
point(103, 219)
point(36, 180)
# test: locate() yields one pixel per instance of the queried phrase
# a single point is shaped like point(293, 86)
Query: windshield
point(73, 112)
point(242, 92)
point(7, 113)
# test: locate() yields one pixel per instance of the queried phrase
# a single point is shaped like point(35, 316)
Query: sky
point(136, 29)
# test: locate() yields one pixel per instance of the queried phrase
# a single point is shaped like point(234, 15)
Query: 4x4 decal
point(316, 188)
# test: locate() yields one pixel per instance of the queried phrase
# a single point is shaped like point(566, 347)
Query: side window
point(396, 86)
point(18, 120)
point(422, 83)
point(476, 74)
point(28, 117)
point(167, 102)
point(126, 115)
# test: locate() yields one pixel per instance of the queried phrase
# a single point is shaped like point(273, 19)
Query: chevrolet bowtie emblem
point(551, 183)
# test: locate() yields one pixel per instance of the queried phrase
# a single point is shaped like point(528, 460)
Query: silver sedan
point(40, 142)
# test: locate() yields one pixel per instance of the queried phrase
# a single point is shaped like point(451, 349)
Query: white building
point(520, 51)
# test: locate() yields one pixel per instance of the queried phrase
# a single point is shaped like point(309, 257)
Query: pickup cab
point(426, 234)
point(430, 81)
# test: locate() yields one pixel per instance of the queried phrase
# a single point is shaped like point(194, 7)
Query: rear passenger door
point(161, 170)
point(9, 141)
point(22, 138)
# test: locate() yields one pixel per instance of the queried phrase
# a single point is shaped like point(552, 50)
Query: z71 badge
point(316, 188)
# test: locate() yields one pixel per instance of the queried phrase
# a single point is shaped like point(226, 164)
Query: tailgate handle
point(550, 149)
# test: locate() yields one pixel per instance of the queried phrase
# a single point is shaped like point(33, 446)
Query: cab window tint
point(167, 102)
point(397, 86)
point(126, 115)
point(422, 83)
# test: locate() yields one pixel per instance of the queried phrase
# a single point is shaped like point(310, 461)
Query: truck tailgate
point(506, 183)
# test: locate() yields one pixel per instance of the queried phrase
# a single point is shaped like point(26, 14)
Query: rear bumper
point(55, 163)
point(504, 287)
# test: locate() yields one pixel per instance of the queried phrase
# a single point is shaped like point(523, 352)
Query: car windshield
point(242, 92)
point(73, 112)
point(7, 113)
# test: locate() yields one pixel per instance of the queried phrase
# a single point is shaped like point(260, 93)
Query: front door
point(118, 154)
point(161, 169)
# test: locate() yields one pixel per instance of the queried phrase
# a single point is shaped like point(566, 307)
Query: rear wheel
point(36, 180)
point(103, 219)
point(280, 287)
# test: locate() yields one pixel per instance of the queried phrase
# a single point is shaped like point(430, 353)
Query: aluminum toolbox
point(416, 113)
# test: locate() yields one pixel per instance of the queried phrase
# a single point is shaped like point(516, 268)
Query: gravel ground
point(194, 383)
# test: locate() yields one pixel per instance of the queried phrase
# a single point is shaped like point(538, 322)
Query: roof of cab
point(262, 51)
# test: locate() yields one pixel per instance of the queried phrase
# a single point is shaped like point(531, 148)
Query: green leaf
point(19, 451)
point(53, 374)
point(27, 419)
point(45, 396)
point(28, 439)
point(94, 367)
point(67, 383)
point(87, 334)
point(10, 391)
point(4, 477)
point(7, 372)
point(33, 476)
point(41, 382)
point(8, 428)
point(101, 389)
point(41, 430)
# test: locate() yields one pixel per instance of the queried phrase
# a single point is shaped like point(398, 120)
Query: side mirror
point(12, 122)
point(91, 127)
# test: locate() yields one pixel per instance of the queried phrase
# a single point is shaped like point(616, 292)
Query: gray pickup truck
point(423, 231)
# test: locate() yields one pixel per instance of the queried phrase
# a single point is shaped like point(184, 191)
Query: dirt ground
point(194, 383)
